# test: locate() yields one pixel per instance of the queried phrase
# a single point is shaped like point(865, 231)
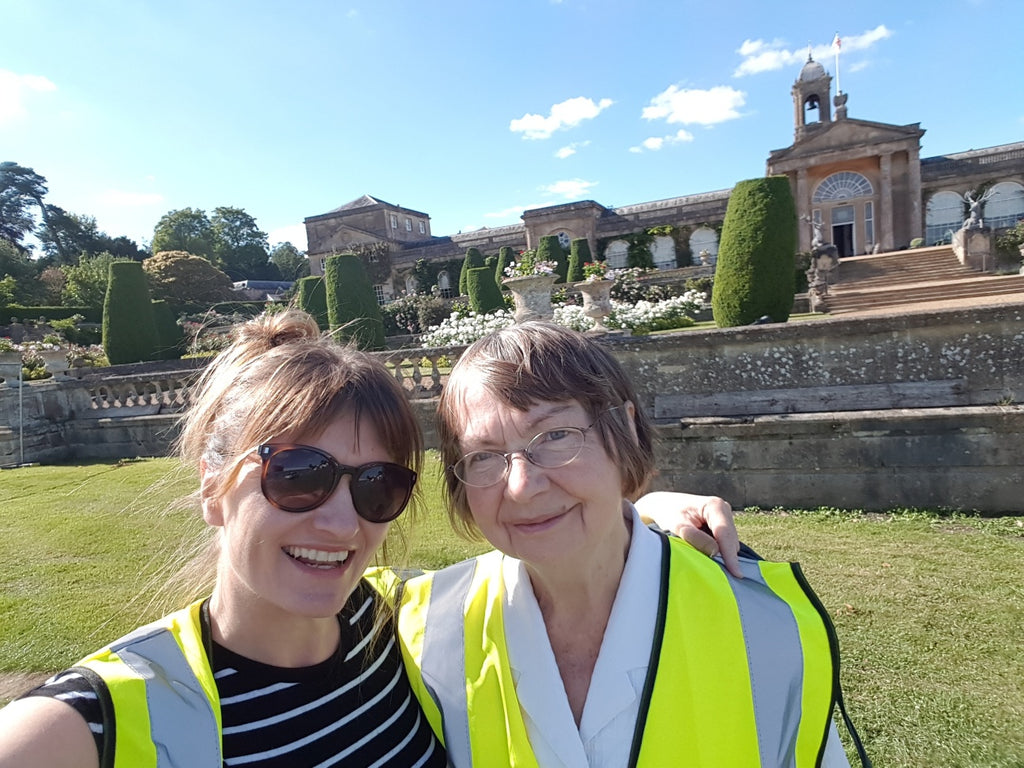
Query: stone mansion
point(862, 183)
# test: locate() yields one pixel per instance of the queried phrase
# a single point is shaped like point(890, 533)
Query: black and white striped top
point(355, 709)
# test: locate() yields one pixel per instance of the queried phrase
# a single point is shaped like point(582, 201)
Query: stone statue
point(975, 205)
point(817, 239)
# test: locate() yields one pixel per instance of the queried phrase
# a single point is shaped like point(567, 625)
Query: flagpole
point(837, 45)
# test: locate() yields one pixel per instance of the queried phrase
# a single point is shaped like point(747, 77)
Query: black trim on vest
point(106, 711)
point(837, 689)
point(652, 664)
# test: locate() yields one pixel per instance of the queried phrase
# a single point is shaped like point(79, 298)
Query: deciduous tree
point(292, 262)
point(186, 229)
point(180, 277)
point(239, 245)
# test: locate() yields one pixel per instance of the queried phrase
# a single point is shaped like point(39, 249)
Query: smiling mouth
point(317, 558)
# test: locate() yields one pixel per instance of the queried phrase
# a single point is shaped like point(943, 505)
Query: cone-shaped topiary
point(505, 257)
point(129, 332)
point(170, 337)
point(550, 249)
point(579, 254)
point(352, 306)
point(473, 259)
point(754, 275)
point(484, 294)
point(312, 298)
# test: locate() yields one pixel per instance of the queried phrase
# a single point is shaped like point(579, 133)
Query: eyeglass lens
point(301, 478)
point(551, 449)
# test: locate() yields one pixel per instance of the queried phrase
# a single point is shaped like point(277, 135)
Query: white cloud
point(654, 143)
point(760, 56)
point(570, 189)
point(566, 114)
point(293, 233)
point(695, 106)
point(570, 150)
point(13, 90)
point(117, 198)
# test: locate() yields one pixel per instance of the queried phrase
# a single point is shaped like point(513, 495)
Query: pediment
point(847, 134)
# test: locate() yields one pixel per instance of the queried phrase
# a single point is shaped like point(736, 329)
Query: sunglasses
point(299, 478)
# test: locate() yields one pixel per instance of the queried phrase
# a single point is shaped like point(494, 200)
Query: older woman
point(588, 639)
point(306, 451)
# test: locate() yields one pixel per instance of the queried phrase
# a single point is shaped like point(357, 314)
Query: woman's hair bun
point(275, 330)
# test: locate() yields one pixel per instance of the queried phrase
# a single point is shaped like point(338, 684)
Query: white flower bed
point(644, 316)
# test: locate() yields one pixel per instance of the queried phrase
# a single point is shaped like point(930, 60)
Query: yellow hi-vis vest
point(162, 708)
point(743, 672)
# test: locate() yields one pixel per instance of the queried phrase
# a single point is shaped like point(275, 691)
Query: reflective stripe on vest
point(166, 707)
point(745, 676)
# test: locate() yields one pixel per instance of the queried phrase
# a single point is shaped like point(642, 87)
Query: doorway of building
point(843, 218)
point(842, 238)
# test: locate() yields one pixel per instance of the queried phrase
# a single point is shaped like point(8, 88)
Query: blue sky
point(470, 112)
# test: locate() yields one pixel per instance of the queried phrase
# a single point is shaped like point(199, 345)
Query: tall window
point(869, 224)
point(1005, 206)
point(617, 254)
point(423, 228)
point(394, 221)
point(378, 291)
point(408, 225)
point(704, 239)
point(944, 215)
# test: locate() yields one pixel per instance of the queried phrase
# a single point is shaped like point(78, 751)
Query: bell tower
point(812, 103)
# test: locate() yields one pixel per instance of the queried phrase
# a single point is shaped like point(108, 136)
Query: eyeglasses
point(550, 450)
point(299, 478)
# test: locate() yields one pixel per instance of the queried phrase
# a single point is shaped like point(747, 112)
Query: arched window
point(944, 215)
point(663, 251)
point(444, 284)
point(411, 285)
point(1005, 206)
point(617, 254)
point(704, 239)
point(845, 185)
point(564, 240)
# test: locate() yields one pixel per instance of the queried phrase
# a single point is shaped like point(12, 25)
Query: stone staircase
point(918, 276)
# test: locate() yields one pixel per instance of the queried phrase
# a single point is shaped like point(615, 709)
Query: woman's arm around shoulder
point(688, 516)
point(43, 732)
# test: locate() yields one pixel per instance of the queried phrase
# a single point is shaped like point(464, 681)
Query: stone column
point(916, 201)
point(885, 203)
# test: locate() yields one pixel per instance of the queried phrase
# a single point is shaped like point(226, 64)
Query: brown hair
point(281, 378)
point(535, 362)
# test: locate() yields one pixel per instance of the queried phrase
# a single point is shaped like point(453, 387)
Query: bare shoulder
point(45, 732)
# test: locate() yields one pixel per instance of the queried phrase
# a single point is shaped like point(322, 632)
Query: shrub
point(129, 332)
point(754, 275)
point(484, 294)
point(29, 312)
point(413, 314)
point(579, 255)
point(551, 250)
point(505, 257)
point(312, 298)
point(352, 307)
point(180, 276)
point(917, 242)
point(473, 260)
point(170, 337)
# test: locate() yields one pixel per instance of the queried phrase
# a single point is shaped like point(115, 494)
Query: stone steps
point(921, 275)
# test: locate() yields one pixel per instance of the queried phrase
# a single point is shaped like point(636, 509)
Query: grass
point(929, 608)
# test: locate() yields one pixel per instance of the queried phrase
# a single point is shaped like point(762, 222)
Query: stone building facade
point(861, 184)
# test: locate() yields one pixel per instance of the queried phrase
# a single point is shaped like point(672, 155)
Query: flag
point(836, 42)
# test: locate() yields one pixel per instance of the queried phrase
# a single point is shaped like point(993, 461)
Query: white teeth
point(317, 555)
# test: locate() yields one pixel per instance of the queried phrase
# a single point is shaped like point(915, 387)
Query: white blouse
point(605, 734)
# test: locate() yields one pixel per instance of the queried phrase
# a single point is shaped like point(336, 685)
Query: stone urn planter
point(532, 294)
point(10, 367)
point(597, 302)
point(56, 359)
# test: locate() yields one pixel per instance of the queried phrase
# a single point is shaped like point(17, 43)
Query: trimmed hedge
point(170, 336)
point(473, 260)
point(755, 272)
point(579, 254)
point(312, 298)
point(352, 306)
point(129, 332)
point(484, 294)
point(25, 312)
point(549, 249)
point(505, 257)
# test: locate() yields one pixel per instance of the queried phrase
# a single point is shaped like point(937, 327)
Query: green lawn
point(929, 609)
